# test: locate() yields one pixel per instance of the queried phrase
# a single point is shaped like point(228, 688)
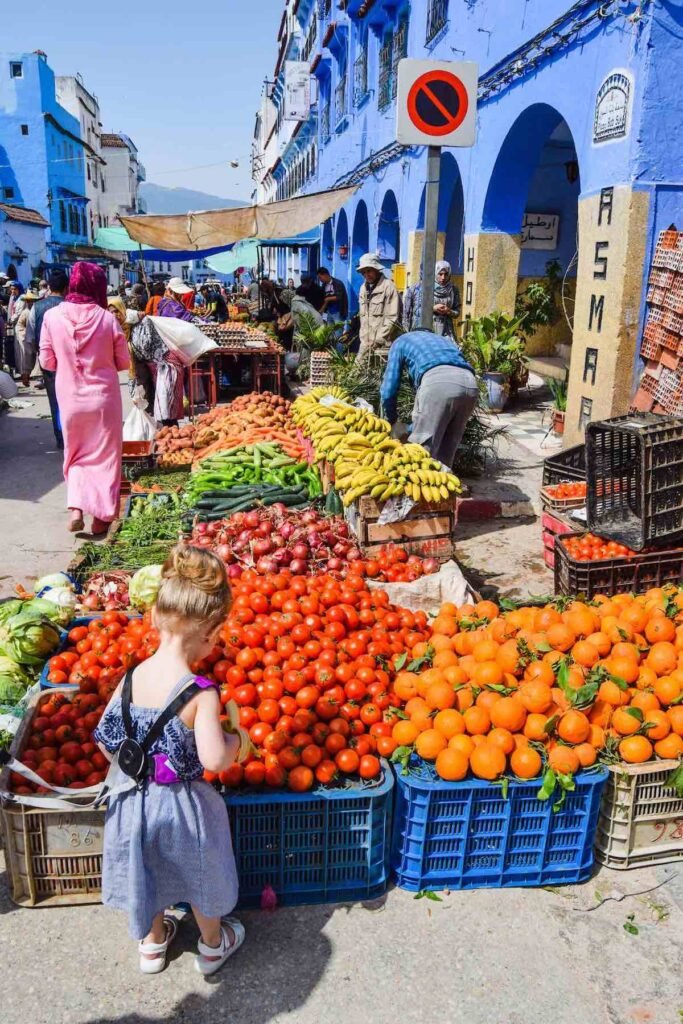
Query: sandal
point(147, 949)
point(99, 527)
point(76, 523)
point(221, 953)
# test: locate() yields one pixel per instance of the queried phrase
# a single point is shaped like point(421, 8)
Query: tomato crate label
point(83, 835)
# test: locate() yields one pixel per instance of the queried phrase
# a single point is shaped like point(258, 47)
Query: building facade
point(42, 155)
point(83, 105)
point(22, 242)
point(577, 159)
point(123, 174)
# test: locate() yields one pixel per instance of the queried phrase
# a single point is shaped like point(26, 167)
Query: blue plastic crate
point(324, 846)
point(81, 620)
point(466, 835)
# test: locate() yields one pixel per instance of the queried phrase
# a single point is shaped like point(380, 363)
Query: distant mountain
point(160, 199)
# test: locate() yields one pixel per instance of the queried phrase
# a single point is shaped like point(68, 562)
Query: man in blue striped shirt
point(446, 386)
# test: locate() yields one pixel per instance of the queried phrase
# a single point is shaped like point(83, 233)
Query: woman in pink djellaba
point(84, 343)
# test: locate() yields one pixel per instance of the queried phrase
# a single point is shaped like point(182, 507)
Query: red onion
point(282, 556)
point(353, 554)
point(286, 530)
point(334, 564)
point(245, 535)
point(300, 551)
point(314, 539)
point(279, 508)
point(225, 553)
point(234, 571)
point(91, 602)
point(204, 542)
point(309, 516)
point(212, 529)
point(201, 528)
point(266, 565)
point(262, 546)
point(299, 566)
point(430, 565)
point(277, 540)
point(341, 549)
point(264, 528)
point(252, 520)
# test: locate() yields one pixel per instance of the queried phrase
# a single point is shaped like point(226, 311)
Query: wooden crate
point(428, 530)
point(54, 857)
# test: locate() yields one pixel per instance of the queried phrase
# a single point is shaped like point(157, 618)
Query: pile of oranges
point(557, 687)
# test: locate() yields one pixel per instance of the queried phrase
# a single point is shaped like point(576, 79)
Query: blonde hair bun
point(201, 568)
point(194, 586)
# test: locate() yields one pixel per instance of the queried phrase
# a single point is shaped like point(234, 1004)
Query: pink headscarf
point(87, 283)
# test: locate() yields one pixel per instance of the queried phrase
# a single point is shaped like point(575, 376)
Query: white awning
point(214, 228)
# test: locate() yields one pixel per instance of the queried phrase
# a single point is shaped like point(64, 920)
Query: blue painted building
point(42, 155)
point(577, 159)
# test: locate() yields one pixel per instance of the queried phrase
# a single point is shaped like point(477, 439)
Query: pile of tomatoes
point(567, 489)
point(309, 663)
point(586, 547)
point(307, 660)
point(98, 654)
point(60, 747)
point(393, 564)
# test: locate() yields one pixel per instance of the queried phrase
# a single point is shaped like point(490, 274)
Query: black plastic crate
point(567, 465)
point(635, 479)
point(633, 574)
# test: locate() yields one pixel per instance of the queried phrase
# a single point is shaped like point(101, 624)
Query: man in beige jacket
point(379, 307)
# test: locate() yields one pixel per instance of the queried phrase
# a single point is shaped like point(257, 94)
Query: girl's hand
point(216, 750)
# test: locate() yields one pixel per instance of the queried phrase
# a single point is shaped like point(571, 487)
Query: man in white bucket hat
point(379, 307)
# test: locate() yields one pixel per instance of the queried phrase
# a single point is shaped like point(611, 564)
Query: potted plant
point(493, 346)
point(558, 389)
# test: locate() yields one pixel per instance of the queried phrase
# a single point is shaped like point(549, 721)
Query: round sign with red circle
point(437, 103)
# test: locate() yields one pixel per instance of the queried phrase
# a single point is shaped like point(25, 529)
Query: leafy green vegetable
point(144, 586)
point(28, 637)
point(14, 681)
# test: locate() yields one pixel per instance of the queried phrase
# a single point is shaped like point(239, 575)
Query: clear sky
point(182, 79)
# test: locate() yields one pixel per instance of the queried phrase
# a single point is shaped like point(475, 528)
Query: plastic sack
point(183, 338)
point(8, 387)
point(139, 425)
point(428, 593)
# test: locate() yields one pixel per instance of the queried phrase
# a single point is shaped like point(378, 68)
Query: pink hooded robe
point(86, 346)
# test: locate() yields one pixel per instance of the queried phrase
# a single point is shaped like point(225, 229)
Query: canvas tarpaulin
point(220, 228)
point(118, 240)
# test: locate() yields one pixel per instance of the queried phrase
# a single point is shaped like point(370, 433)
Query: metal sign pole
point(430, 230)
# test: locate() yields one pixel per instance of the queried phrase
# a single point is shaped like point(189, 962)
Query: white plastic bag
point(139, 425)
point(183, 338)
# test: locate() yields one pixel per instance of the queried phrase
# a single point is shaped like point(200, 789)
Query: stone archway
point(341, 247)
point(360, 244)
point(389, 231)
point(450, 223)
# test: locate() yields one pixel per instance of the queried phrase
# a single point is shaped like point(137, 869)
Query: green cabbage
point(57, 603)
point(28, 637)
point(14, 681)
point(9, 608)
point(144, 587)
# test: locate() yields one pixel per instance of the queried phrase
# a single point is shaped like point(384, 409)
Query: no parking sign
point(437, 102)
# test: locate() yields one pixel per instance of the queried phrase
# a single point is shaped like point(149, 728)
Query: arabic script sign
point(612, 106)
point(540, 230)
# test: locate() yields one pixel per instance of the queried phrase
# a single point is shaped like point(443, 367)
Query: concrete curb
point(473, 509)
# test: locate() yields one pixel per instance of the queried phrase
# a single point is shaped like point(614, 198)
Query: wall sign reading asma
point(437, 102)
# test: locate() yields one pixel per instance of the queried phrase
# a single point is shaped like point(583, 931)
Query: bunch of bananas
point(366, 459)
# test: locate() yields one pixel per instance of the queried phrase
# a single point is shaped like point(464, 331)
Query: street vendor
point(446, 387)
point(379, 307)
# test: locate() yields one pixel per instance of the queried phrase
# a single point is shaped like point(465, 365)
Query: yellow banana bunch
point(366, 459)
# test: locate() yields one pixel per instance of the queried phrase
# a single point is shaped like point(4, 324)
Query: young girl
point(168, 841)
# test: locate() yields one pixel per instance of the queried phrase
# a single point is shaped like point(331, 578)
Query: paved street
point(481, 957)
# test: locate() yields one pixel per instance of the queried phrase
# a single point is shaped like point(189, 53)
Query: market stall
point(509, 744)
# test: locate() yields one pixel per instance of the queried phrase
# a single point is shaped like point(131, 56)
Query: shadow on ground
point(30, 465)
